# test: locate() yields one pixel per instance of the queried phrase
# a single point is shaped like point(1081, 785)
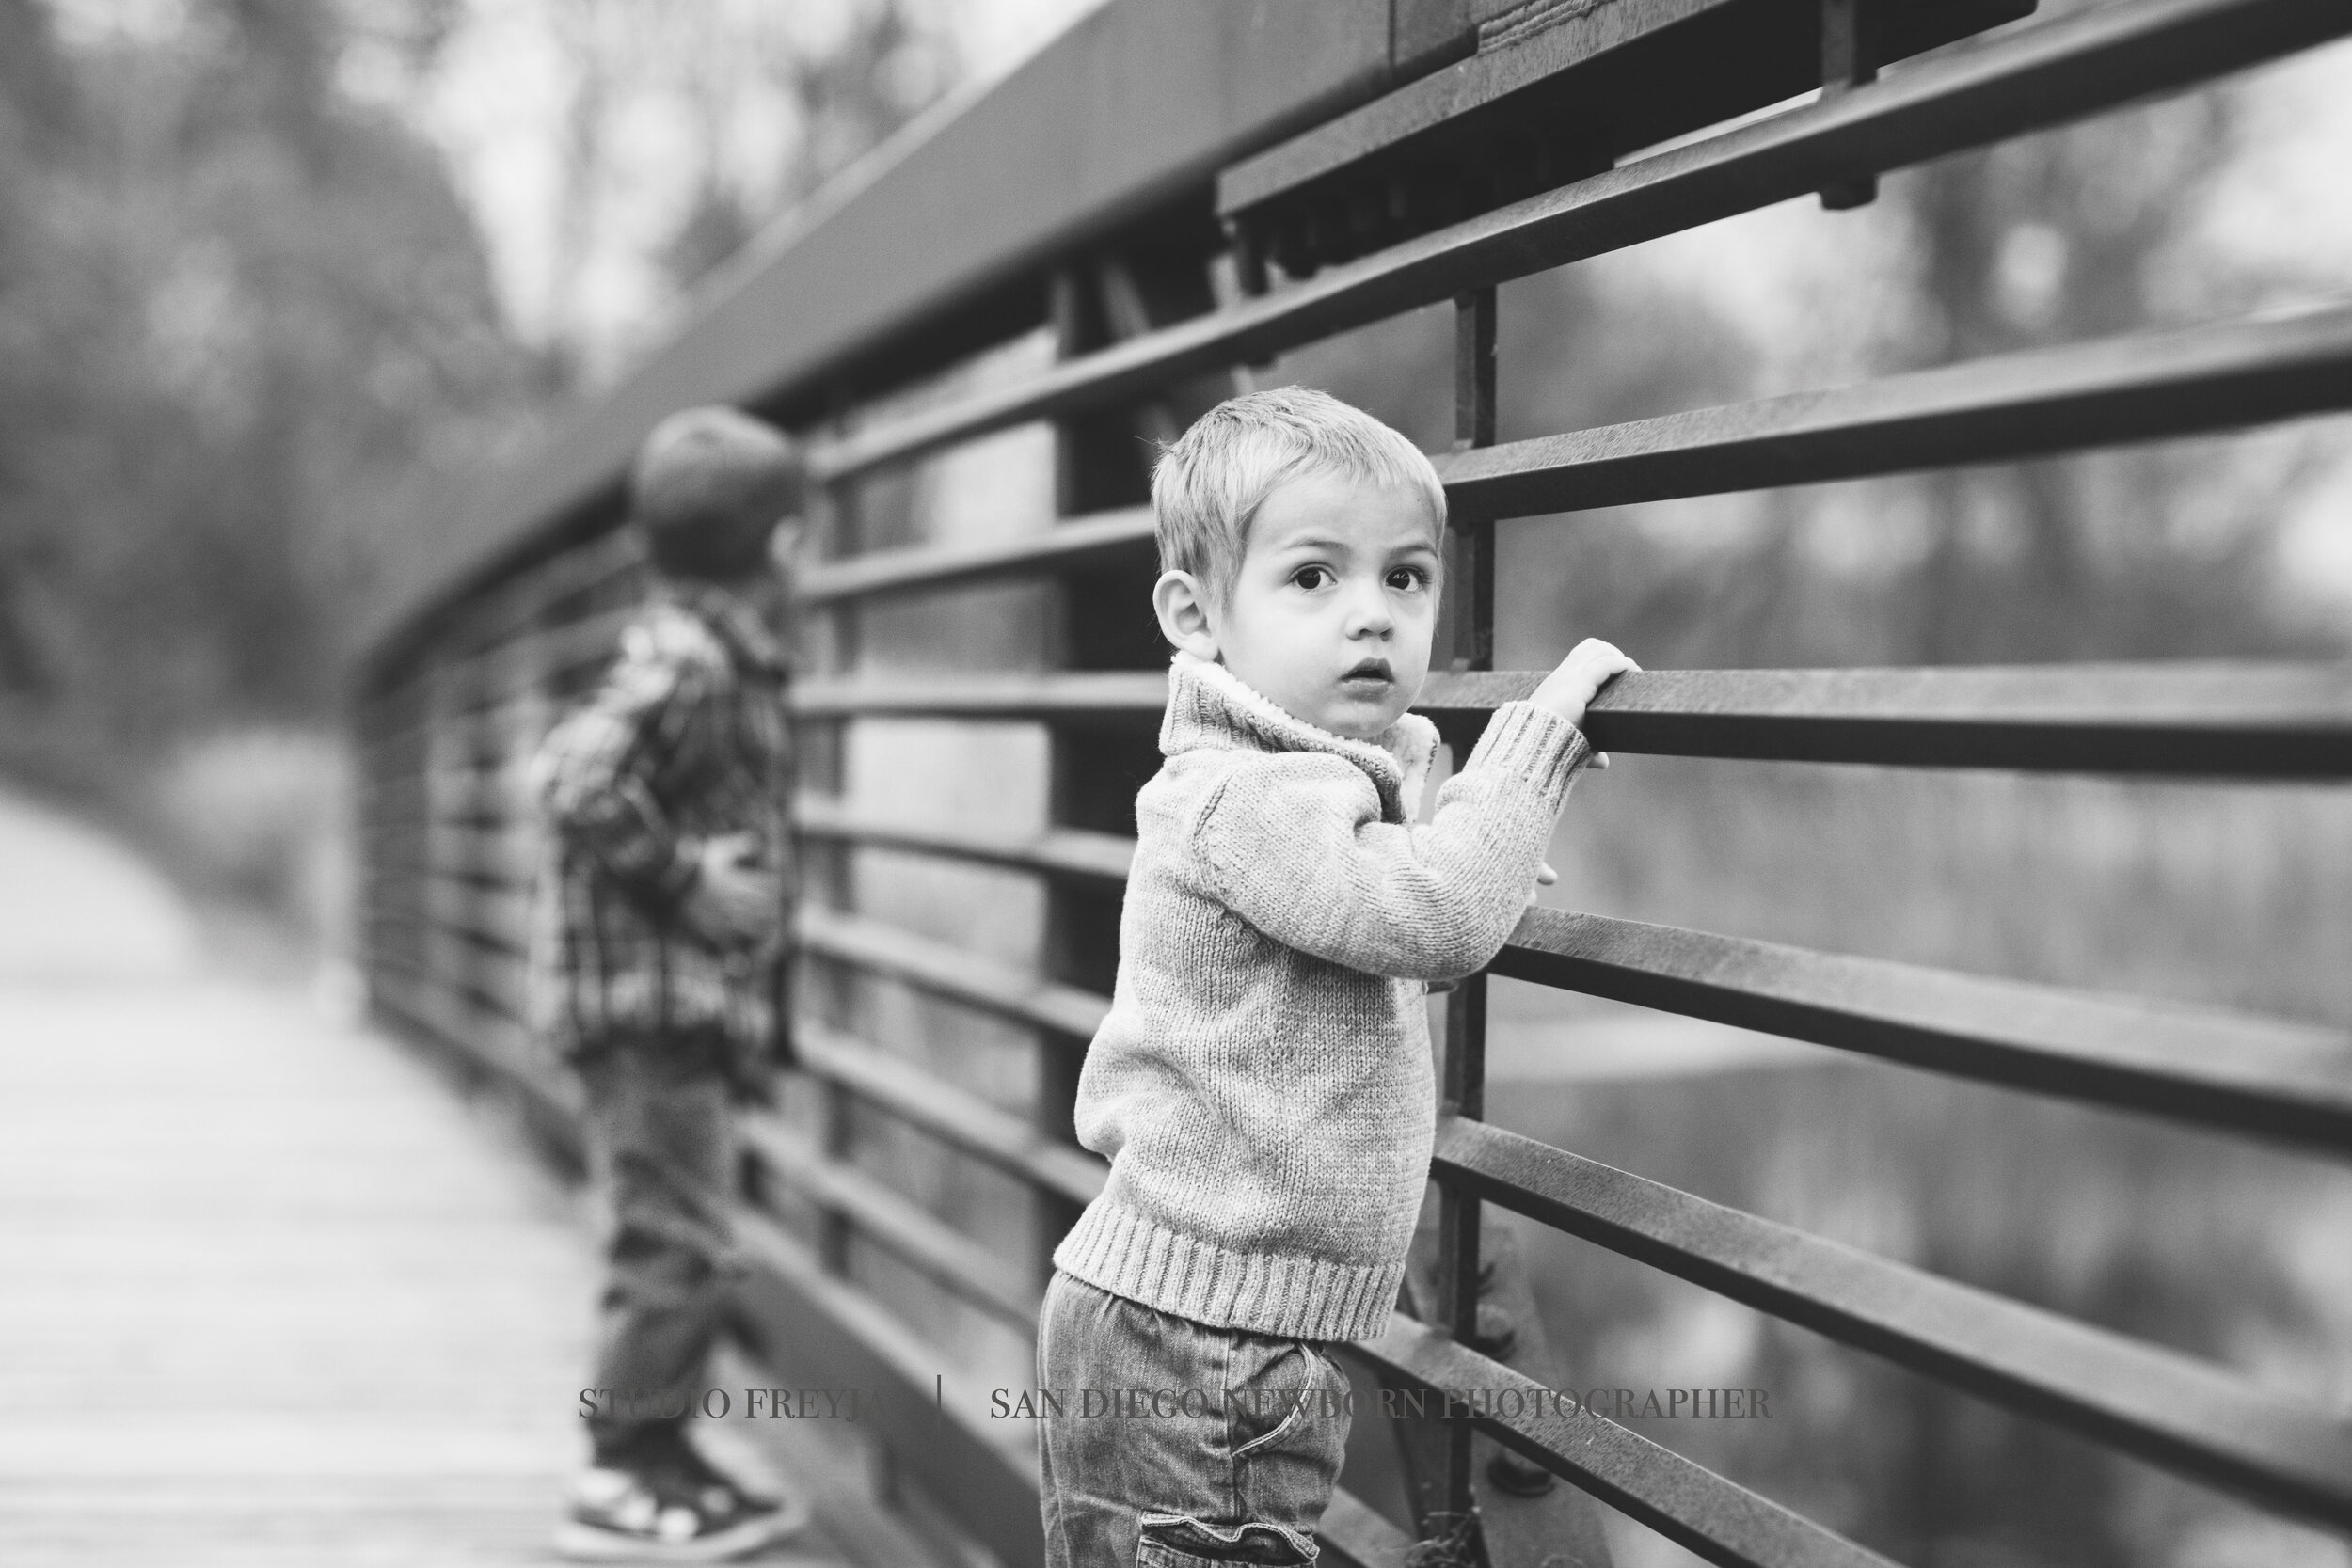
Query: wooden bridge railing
point(470, 671)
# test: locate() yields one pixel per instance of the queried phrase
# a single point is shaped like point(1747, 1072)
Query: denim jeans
point(1234, 1462)
point(661, 1149)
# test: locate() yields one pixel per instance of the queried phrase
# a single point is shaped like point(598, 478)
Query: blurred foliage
point(255, 824)
point(766, 103)
point(249, 330)
point(249, 327)
point(245, 319)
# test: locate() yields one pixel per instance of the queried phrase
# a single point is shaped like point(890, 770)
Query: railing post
point(821, 756)
point(1471, 539)
point(1508, 1512)
point(1850, 57)
point(1464, 1089)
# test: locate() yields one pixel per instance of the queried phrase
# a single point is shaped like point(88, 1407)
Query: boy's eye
point(1311, 578)
point(1405, 578)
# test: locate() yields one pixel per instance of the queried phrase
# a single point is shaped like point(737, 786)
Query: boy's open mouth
point(1369, 671)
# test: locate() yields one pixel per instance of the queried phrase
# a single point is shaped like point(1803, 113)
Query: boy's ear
point(1182, 608)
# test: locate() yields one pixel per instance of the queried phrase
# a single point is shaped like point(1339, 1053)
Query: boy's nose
point(1368, 616)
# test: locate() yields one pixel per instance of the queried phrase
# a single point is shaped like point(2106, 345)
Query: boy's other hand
point(1545, 876)
point(735, 901)
point(1569, 690)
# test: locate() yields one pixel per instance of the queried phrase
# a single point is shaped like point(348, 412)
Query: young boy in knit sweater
point(1262, 1083)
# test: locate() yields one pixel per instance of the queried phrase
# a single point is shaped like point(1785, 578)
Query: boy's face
point(1331, 613)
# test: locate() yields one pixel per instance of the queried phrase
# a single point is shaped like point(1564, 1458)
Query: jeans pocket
point(1270, 1387)
point(1180, 1541)
point(1286, 1438)
point(1276, 1388)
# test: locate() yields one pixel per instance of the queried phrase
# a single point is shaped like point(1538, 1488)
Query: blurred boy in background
point(658, 964)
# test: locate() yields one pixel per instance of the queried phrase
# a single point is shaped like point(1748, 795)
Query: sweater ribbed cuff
point(1293, 1297)
point(1537, 745)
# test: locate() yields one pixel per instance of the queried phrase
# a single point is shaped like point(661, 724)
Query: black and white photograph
point(1176, 784)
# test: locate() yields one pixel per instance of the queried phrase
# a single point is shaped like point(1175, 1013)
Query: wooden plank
point(273, 1300)
point(2186, 1415)
point(2249, 1075)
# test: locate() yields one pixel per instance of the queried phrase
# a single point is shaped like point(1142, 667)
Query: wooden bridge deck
point(269, 1292)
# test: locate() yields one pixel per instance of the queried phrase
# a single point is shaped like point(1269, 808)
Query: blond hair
point(1208, 486)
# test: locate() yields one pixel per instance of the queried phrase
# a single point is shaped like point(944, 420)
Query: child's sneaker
point(667, 1514)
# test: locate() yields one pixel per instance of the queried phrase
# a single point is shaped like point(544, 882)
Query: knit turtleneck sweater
point(1262, 1083)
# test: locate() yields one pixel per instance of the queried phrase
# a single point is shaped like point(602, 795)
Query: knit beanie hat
point(708, 488)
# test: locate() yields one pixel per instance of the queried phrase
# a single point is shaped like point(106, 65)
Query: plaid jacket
point(686, 740)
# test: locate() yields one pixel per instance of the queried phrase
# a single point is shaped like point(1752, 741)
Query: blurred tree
point(250, 323)
point(36, 106)
point(885, 68)
point(245, 315)
point(761, 106)
point(2149, 552)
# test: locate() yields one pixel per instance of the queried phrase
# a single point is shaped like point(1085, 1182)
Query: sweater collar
point(1209, 707)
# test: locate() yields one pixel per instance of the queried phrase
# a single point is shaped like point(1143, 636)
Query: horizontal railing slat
point(953, 1115)
point(1118, 694)
point(2038, 76)
point(525, 660)
point(895, 1221)
point(512, 852)
point(951, 972)
point(1354, 1534)
point(487, 690)
point(815, 1326)
point(2184, 1414)
point(1070, 546)
point(489, 983)
point(2180, 719)
point(465, 1021)
point(513, 608)
point(1690, 1505)
point(1061, 851)
point(485, 938)
point(2273, 1079)
point(2081, 395)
